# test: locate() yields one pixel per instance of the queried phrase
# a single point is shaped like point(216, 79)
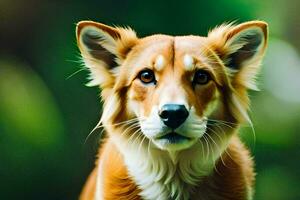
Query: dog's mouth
point(173, 138)
point(173, 141)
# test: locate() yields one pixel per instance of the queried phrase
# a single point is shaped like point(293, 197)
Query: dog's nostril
point(173, 115)
point(164, 114)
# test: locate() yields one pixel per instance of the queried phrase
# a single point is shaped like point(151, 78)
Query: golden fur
point(216, 166)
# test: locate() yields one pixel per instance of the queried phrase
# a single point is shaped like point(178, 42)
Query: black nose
point(173, 115)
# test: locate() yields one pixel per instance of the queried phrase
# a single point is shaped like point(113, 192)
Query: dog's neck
point(164, 175)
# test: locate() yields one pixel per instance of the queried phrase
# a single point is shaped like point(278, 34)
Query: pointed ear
point(103, 48)
point(241, 48)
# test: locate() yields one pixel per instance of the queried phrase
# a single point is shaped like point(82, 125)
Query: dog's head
point(171, 89)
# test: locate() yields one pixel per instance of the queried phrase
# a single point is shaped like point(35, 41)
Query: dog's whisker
point(133, 136)
point(217, 146)
point(141, 143)
point(221, 140)
point(120, 123)
point(202, 148)
point(207, 146)
point(229, 124)
point(131, 127)
point(212, 149)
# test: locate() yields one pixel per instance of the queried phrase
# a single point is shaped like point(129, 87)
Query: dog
point(172, 107)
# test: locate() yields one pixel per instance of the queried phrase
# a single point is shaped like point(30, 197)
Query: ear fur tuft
point(103, 49)
point(241, 48)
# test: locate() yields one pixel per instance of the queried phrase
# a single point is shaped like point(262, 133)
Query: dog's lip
point(172, 134)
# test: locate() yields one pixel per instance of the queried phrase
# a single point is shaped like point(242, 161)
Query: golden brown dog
point(172, 109)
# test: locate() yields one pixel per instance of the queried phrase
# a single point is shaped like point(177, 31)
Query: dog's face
point(173, 87)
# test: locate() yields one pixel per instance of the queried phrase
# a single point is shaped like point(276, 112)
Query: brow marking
point(159, 63)
point(188, 62)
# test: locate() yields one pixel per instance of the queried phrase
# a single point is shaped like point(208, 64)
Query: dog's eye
point(147, 76)
point(201, 77)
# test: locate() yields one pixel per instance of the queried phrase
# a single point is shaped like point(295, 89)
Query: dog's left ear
point(241, 48)
point(103, 49)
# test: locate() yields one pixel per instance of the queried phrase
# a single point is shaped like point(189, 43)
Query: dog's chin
point(174, 142)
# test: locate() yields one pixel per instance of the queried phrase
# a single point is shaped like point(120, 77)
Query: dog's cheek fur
point(114, 108)
point(204, 96)
point(141, 97)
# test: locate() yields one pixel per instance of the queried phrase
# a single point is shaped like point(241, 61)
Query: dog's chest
point(160, 178)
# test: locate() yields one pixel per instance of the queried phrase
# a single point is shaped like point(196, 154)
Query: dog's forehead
point(163, 50)
point(189, 44)
point(176, 43)
point(188, 50)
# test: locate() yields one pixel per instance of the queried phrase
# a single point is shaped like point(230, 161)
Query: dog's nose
point(173, 115)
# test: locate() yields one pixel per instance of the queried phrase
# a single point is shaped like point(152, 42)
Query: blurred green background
point(46, 112)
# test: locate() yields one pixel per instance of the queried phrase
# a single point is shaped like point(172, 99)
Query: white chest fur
point(163, 175)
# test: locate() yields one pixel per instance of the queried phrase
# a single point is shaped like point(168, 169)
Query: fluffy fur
point(133, 163)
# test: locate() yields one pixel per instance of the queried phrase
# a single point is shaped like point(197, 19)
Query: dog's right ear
point(103, 48)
